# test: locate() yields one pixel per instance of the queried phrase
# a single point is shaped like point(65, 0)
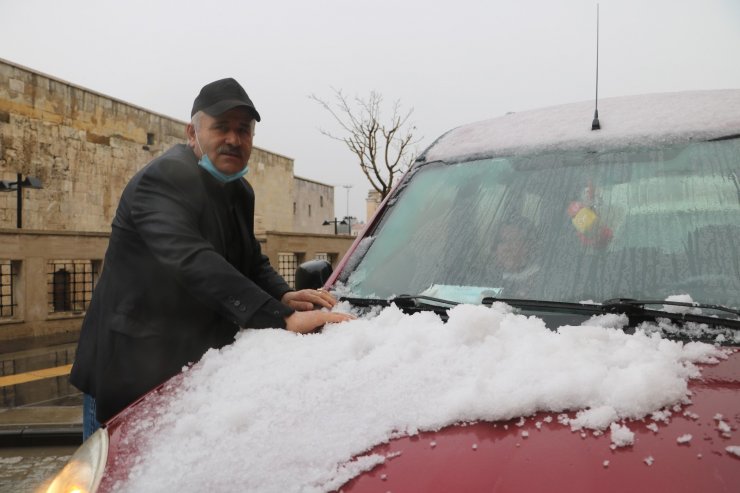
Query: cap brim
point(229, 104)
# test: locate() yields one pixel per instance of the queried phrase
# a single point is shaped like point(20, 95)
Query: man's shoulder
point(177, 167)
point(177, 164)
point(178, 158)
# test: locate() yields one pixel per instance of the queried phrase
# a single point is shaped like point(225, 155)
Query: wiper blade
point(364, 302)
point(547, 305)
point(420, 300)
point(634, 309)
point(628, 301)
point(408, 303)
point(402, 300)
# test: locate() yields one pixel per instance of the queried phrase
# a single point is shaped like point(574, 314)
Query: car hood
point(539, 453)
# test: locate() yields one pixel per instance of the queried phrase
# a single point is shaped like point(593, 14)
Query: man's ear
point(190, 132)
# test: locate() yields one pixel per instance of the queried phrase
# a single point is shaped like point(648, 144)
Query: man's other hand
point(304, 322)
point(309, 299)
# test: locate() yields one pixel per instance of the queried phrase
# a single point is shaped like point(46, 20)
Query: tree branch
point(382, 150)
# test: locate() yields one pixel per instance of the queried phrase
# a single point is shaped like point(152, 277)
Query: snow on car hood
point(277, 411)
point(628, 121)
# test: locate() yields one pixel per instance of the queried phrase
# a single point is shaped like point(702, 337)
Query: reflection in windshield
point(567, 227)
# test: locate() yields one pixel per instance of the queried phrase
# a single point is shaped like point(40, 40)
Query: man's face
point(226, 139)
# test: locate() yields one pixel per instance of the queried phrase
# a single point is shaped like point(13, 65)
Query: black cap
point(221, 96)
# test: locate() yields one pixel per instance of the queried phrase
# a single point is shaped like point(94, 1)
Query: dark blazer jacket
point(183, 271)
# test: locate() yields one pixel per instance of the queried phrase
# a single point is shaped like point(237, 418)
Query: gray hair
point(197, 117)
point(195, 120)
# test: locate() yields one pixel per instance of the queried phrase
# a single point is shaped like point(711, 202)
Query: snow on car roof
point(630, 121)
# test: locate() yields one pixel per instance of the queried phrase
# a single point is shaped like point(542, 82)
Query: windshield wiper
point(622, 302)
point(365, 302)
point(634, 309)
point(406, 302)
point(421, 300)
point(402, 300)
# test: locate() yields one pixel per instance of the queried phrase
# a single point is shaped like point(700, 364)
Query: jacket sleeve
point(167, 204)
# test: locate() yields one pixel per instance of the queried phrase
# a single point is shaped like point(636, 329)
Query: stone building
point(313, 204)
point(372, 203)
point(83, 147)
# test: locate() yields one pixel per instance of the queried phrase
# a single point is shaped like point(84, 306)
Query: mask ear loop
point(198, 142)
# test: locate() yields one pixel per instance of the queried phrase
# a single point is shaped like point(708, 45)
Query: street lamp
point(335, 222)
point(347, 187)
point(18, 185)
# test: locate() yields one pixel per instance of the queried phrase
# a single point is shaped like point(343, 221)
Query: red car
point(603, 259)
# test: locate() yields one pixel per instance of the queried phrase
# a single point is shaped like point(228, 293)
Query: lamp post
point(347, 187)
point(18, 185)
point(348, 221)
point(335, 222)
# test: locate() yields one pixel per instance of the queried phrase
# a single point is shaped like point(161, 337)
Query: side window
point(61, 290)
point(8, 280)
point(71, 284)
point(287, 264)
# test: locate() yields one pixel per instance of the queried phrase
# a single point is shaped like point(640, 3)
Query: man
point(183, 270)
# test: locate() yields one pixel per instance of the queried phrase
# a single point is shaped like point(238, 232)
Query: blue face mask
point(206, 163)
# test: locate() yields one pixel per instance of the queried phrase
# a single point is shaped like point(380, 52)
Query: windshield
point(571, 226)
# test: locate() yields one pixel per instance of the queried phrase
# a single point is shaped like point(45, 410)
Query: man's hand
point(308, 299)
point(304, 322)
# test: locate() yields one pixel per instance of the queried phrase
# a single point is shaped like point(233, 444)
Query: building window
point(287, 265)
point(149, 139)
point(71, 284)
point(294, 208)
point(309, 210)
point(321, 200)
point(8, 270)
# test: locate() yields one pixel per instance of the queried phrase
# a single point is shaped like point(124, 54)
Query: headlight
point(83, 471)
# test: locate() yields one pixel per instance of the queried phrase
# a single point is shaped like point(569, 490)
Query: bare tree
point(383, 149)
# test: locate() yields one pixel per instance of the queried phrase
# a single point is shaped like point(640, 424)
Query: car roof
point(629, 121)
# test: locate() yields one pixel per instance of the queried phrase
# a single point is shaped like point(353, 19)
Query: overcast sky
point(452, 62)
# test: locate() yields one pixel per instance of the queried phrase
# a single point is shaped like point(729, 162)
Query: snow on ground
point(276, 411)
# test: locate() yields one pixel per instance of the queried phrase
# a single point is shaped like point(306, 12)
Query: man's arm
point(166, 208)
point(167, 204)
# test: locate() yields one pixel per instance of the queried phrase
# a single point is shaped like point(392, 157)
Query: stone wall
point(271, 176)
point(33, 255)
point(313, 203)
point(85, 146)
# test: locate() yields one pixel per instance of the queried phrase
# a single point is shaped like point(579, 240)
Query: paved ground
point(41, 423)
point(26, 469)
point(28, 454)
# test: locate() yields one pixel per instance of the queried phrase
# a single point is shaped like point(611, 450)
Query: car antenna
point(595, 125)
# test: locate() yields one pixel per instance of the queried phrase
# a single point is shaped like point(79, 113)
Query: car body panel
point(498, 457)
